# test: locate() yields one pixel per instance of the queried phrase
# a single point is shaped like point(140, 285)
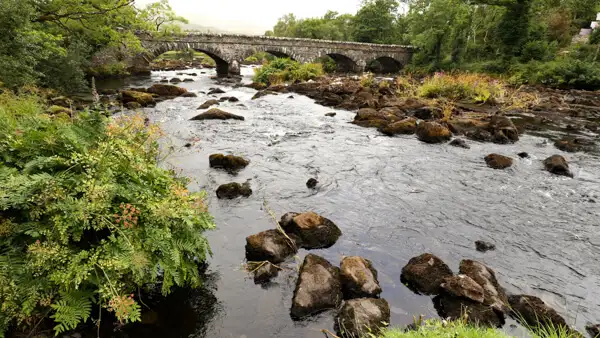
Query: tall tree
point(376, 21)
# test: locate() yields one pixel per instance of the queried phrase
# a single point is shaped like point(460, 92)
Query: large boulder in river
point(459, 308)
point(433, 132)
point(362, 317)
point(209, 103)
point(425, 274)
point(463, 286)
point(217, 114)
point(318, 287)
point(227, 162)
point(144, 99)
point(234, 190)
point(270, 245)
point(406, 126)
point(313, 231)
point(496, 161)
point(359, 278)
point(557, 164)
point(166, 90)
point(494, 295)
point(532, 311)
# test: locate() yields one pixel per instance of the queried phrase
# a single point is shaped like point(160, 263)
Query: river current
point(392, 197)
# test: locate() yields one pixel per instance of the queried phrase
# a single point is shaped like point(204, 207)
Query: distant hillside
point(204, 29)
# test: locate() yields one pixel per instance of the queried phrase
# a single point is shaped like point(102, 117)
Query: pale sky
point(252, 16)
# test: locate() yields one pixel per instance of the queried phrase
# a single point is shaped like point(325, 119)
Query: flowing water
point(393, 198)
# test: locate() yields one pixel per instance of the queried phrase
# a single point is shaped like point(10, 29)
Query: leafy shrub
point(470, 87)
point(110, 69)
point(88, 217)
point(539, 50)
point(282, 70)
point(367, 80)
point(560, 73)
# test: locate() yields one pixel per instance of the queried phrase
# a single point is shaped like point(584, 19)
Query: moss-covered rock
point(144, 99)
point(234, 190)
point(208, 104)
point(166, 90)
point(270, 245)
point(359, 278)
point(56, 110)
point(314, 231)
point(497, 161)
point(363, 317)
point(133, 105)
point(217, 114)
point(425, 274)
point(433, 132)
point(557, 165)
point(407, 126)
point(318, 287)
point(227, 162)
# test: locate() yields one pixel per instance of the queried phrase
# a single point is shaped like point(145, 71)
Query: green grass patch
point(282, 70)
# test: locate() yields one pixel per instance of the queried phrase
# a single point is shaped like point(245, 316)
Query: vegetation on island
point(282, 70)
point(529, 41)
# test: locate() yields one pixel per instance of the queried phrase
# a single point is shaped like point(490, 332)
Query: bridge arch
point(221, 62)
point(344, 63)
point(384, 64)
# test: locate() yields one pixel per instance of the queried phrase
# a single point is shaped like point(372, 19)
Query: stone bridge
point(229, 51)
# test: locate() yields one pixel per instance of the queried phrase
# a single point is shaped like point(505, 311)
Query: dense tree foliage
point(49, 42)
point(496, 36)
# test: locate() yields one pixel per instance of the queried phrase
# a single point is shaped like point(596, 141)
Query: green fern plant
point(88, 217)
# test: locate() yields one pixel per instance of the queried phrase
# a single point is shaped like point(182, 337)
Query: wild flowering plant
point(88, 218)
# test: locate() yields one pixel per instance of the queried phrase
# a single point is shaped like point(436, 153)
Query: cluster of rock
point(148, 97)
point(232, 164)
point(352, 289)
point(475, 294)
point(168, 65)
point(555, 164)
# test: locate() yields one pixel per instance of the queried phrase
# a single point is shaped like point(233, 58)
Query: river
point(393, 198)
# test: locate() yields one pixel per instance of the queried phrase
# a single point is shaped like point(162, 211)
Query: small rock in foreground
point(227, 162)
point(359, 278)
point(460, 143)
point(270, 245)
point(483, 246)
point(234, 190)
point(496, 161)
point(318, 287)
point(557, 165)
point(311, 183)
point(265, 272)
point(312, 230)
point(362, 317)
point(425, 274)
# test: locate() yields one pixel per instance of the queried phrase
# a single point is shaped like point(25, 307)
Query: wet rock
point(189, 94)
point(479, 135)
point(494, 294)
point(483, 246)
point(496, 161)
point(503, 130)
point(330, 114)
point(557, 165)
point(359, 278)
point(318, 287)
point(311, 183)
point(262, 93)
point(523, 155)
point(213, 91)
point(188, 145)
point(460, 143)
point(433, 132)
point(425, 274)
point(164, 81)
point(208, 104)
point(166, 90)
point(217, 114)
point(374, 123)
point(270, 245)
point(233, 99)
point(144, 99)
point(455, 308)
point(265, 273)
point(570, 145)
point(463, 286)
point(533, 312)
point(407, 126)
point(175, 80)
point(370, 114)
point(133, 105)
point(234, 190)
point(223, 99)
point(362, 317)
point(290, 97)
point(188, 80)
point(593, 330)
point(227, 162)
point(426, 113)
point(314, 231)
point(256, 85)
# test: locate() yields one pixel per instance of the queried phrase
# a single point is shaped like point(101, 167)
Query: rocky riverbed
point(393, 198)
